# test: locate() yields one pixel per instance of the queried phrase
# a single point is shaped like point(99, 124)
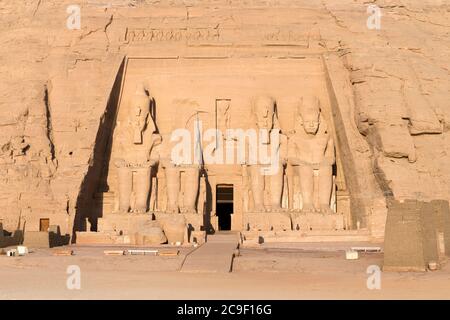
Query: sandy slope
point(258, 274)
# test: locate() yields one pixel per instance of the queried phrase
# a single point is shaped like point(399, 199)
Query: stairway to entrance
point(216, 255)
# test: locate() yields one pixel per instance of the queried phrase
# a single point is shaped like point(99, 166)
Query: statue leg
point(192, 184)
point(290, 172)
point(307, 187)
point(257, 184)
point(172, 188)
point(325, 188)
point(276, 189)
point(142, 189)
point(125, 176)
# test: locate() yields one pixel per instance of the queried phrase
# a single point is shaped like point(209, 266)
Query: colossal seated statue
point(265, 120)
point(185, 119)
point(135, 139)
point(311, 149)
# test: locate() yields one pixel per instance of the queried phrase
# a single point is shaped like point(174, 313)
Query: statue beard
point(311, 130)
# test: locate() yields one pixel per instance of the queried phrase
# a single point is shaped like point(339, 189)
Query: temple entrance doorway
point(224, 205)
point(44, 224)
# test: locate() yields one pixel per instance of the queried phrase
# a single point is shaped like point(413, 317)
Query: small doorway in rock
point(224, 205)
point(44, 224)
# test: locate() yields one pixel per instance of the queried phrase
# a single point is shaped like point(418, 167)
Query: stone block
point(125, 239)
point(124, 224)
point(143, 252)
point(63, 253)
point(403, 245)
point(442, 215)
point(22, 250)
point(137, 229)
point(95, 238)
point(168, 253)
point(153, 236)
point(175, 228)
point(396, 141)
point(198, 237)
point(351, 255)
point(36, 239)
point(195, 222)
point(264, 221)
point(114, 252)
point(411, 241)
point(104, 225)
point(430, 228)
point(317, 222)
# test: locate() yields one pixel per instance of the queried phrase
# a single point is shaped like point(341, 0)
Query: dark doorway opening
point(44, 224)
point(224, 205)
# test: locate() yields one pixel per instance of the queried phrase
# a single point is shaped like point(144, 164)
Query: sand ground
point(263, 272)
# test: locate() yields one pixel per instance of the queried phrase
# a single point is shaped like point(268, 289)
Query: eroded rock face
point(56, 84)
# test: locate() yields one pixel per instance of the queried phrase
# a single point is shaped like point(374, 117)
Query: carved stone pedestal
point(142, 229)
point(266, 221)
point(194, 222)
point(317, 222)
point(125, 224)
point(128, 228)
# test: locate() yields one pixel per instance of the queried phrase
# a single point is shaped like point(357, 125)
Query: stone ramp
point(216, 255)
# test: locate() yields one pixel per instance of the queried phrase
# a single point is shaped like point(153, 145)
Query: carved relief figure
point(311, 149)
point(264, 118)
point(136, 138)
point(223, 116)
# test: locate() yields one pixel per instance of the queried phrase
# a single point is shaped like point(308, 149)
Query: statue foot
point(308, 208)
point(173, 210)
point(277, 208)
point(189, 210)
point(325, 209)
point(260, 209)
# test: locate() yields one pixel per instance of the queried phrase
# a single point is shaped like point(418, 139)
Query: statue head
point(309, 111)
point(139, 112)
point(264, 112)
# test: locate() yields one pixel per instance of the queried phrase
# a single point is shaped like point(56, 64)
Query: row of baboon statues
point(309, 149)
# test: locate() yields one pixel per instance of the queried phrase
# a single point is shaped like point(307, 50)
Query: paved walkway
point(216, 255)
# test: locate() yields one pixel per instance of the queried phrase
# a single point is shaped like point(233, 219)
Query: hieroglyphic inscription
point(172, 34)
